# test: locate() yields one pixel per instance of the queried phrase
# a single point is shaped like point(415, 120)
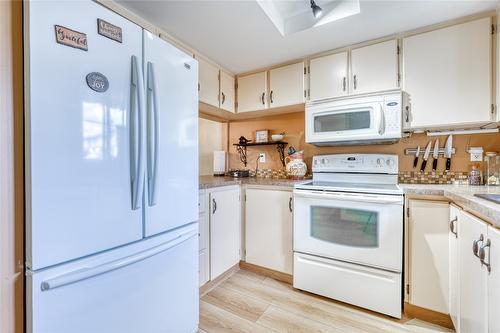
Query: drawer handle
point(290, 205)
point(214, 206)
point(453, 226)
point(475, 245)
point(482, 255)
point(262, 98)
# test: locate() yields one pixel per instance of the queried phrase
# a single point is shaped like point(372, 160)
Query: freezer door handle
point(153, 134)
point(136, 133)
point(87, 273)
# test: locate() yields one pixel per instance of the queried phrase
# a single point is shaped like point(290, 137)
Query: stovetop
point(351, 187)
point(491, 197)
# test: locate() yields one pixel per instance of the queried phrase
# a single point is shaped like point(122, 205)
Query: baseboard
point(427, 315)
point(280, 276)
point(207, 287)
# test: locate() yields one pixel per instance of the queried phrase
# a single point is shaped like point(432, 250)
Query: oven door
point(347, 122)
point(365, 229)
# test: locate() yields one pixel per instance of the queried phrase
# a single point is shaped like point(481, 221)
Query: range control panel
point(357, 163)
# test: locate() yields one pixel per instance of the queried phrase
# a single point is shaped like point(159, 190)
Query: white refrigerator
point(111, 148)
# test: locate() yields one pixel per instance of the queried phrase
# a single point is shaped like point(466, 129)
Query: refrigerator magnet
point(72, 38)
point(97, 82)
point(109, 30)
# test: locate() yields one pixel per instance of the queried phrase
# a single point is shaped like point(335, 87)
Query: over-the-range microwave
point(362, 119)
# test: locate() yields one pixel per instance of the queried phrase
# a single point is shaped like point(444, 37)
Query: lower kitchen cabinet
point(203, 235)
point(473, 275)
point(224, 211)
point(493, 280)
point(454, 271)
point(428, 254)
point(268, 229)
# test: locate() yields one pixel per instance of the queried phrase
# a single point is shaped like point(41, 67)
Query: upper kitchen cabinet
point(328, 76)
point(286, 85)
point(375, 67)
point(208, 82)
point(447, 73)
point(227, 91)
point(251, 92)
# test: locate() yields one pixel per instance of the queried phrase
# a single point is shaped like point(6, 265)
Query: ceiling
point(238, 35)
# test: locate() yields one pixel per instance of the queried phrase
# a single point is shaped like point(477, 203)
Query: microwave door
point(348, 123)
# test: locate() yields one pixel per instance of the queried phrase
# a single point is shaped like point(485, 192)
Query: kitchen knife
point(447, 151)
point(415, 161)
point(435, 155)
point(426, 155)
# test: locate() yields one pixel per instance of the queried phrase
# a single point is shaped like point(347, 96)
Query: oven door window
point(343, 121)
point(343, 226)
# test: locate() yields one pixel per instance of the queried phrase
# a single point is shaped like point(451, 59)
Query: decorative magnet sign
point(71, 38)
point(97, 82)
point(109, 30)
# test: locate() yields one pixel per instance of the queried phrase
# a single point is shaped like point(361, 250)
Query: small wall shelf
point(242, 149)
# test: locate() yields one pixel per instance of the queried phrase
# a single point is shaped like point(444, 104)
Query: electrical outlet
point(262, 158)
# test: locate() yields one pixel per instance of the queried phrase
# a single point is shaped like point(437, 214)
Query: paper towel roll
point(219, 163)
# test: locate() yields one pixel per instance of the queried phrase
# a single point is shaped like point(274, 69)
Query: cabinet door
point(209, 83)
point(454, 281)
point(447, 73)
point(328, 76)
point(473, 277)
point(375, 67)
point(224, 230)
point(286, 85)
point(428, 232)
point(252, 92)
point(268, 229)
point(494, 281)
point(226, 91)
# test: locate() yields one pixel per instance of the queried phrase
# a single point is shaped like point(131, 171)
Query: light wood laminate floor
point(251, 303)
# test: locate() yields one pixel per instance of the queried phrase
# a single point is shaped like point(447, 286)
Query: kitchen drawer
point(202, 202)
point(203, 267)
point(370, 288)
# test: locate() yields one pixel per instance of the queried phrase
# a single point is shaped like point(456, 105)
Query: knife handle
point(448, 163)
point(415, 162)
point(434, 164)
point(424, 163)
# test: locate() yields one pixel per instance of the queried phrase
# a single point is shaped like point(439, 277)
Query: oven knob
point(324, 161)
point(390, 162)
point(379, 161)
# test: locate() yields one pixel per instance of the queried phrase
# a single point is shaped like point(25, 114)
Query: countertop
point(212, 181)
point(462, 195)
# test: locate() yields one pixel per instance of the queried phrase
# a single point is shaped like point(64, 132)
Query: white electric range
point(348, 231)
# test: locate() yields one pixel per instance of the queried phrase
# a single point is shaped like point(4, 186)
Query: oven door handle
point(378, 199)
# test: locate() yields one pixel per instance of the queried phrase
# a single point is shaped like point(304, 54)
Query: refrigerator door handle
point(153, 134)
point(87, 273)
point(136, 133)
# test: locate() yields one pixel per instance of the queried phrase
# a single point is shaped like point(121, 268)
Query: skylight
point(293, 16)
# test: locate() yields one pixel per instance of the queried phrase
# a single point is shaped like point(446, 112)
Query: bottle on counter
point(476, 167)
point(492, 169)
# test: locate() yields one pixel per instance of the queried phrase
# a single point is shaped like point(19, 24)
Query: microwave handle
point(381, 121)
point(378, 199)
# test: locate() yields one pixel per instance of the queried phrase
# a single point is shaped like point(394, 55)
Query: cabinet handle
point(344, 83)
point(262, 97)
point(290, 205)
point(223, 98)
point(475, 245)
point(453, 226)
point(214, 206)
point(271, 97)
point(355, 82)
point(482, 255)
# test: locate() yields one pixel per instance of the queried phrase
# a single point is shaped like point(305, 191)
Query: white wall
point(210, 138)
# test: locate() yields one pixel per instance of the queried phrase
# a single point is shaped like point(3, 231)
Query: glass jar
point(475, 174)
point(492, 169)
